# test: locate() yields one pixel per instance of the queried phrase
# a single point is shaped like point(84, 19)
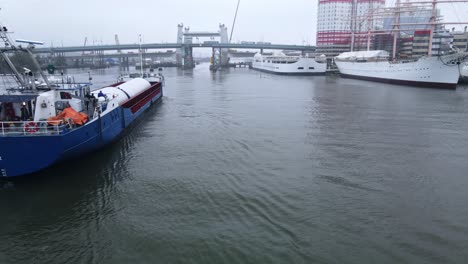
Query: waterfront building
point(460, 40)
point(416, 19)
point(420, 43)
point(334, 24)
point(382, 41)
point(441, 43)
point(414, 33)
point(406, 46)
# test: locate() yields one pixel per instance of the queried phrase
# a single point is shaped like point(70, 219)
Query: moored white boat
point(425, 58)
point(436, 71)
point(290, 65)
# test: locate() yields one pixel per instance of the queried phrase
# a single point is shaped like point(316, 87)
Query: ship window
point(65, 95)
point(311, 68)
point(300, 68)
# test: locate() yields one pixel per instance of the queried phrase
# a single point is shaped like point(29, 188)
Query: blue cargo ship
point(41, 127)
point(32, 145)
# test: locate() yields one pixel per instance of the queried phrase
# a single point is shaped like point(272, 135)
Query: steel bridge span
point(184, 47)
point(174, 46)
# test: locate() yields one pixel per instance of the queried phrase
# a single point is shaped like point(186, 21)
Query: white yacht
point(293, 65)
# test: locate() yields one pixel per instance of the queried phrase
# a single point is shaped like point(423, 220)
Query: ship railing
point(33, 128)
point(98, 110)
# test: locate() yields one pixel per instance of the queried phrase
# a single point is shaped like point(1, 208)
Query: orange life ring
point(31, 127)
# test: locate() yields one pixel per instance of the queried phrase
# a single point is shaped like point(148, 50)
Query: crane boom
point(84, 45)
point(117, 42)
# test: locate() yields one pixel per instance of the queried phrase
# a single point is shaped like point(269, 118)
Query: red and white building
point(335, 22)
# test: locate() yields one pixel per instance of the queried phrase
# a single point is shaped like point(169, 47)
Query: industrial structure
point(460, 40)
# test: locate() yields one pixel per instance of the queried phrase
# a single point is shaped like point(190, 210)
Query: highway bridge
point(80, 53)
point(186, 41)
point(174, 46)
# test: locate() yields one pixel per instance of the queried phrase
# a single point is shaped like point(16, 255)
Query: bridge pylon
point(185, 37)
point(224, 53)
point(215, 60)
point(180, 40)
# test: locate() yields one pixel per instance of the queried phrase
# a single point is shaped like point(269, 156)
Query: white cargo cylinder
point(123, 91)
point(134, 86)
point(111, 93)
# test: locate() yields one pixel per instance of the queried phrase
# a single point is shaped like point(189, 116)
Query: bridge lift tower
point(185, 54)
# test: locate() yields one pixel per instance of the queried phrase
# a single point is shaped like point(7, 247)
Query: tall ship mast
point(432, 69)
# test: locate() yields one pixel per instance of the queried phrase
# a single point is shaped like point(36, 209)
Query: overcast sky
point(70, 21)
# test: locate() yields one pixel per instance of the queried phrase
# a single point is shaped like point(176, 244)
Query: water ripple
point(241, 167)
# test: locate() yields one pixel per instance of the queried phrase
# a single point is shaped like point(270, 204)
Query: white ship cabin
point(28, 114)
point(281, 58)
point(278, 58)
point(149, 76)
point(321, 59)
point(364, 56)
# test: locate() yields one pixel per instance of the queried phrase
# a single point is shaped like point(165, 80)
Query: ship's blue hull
point(20, 155)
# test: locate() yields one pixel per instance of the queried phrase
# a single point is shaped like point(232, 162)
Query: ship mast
point(433, 27)
point(9, 46)
point(353, 22)
point(141, 57)
point(396, 31)
point(397, 25)
point(369, 26)
point(44, 77)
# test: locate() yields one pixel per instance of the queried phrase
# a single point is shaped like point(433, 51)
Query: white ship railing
point(33, 128)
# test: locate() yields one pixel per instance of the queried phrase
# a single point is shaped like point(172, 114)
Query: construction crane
point(84, 45)
point(117, 42)
point(234, 22)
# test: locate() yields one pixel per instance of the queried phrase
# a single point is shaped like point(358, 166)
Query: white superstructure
point(150, 77)
point(282, 64)
point(464, 72)
point(436, 71)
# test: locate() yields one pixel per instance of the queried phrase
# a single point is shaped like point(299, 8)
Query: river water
point(246, 167)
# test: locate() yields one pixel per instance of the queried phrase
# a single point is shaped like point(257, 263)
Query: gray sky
point(70, 21)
